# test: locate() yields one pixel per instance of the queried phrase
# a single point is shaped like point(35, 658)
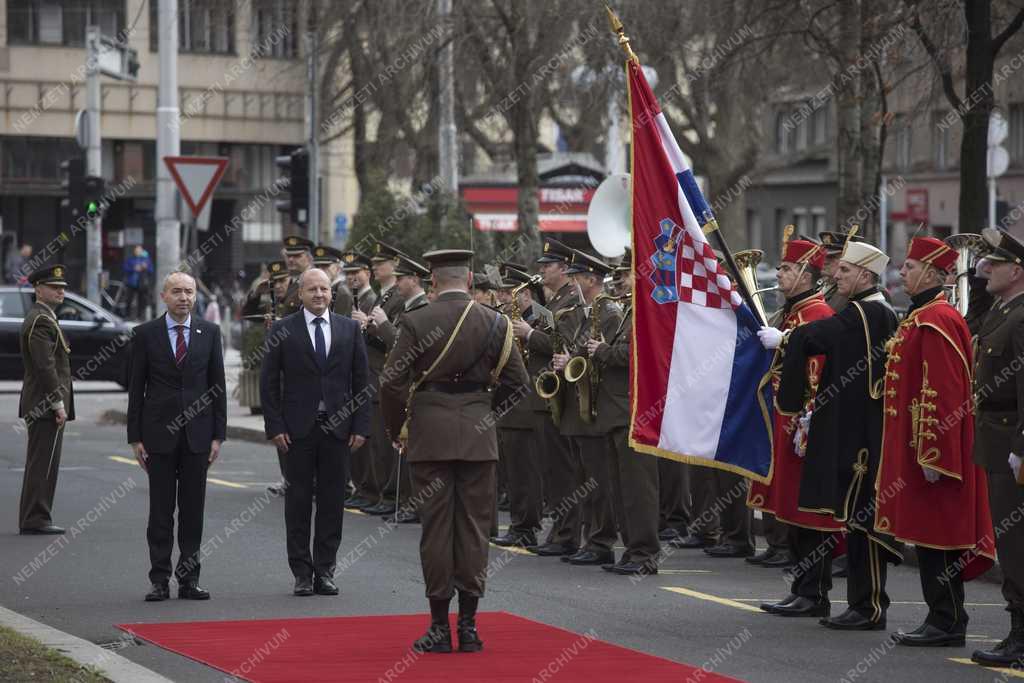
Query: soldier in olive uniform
point(409, 288)
point(356, 267)
point(999, 428)
point(328, 259)
point(440, 389)
point(298, 255)
point(588, 443)
point(47, 400)
point(520, 429)
point(634, 475)
point(541, 341)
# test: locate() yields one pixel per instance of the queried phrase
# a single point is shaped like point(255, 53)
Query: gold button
point(1005, 421)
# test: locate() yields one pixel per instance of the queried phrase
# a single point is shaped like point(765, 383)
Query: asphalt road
point(690, 613)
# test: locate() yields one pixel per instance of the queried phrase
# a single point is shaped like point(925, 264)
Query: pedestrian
point(137, 270)
point(437, 383)
point(177, 420)
point(47, 400)
point(16, 265)
point(312, 385)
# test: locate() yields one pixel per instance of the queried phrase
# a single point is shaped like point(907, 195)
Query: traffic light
point(295, 168)
point(83, 195)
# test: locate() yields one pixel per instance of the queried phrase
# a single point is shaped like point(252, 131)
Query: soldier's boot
point(1009, 652)
point(438, 637)
point(469, 639)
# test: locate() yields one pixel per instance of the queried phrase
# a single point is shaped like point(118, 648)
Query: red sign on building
point(562, 209)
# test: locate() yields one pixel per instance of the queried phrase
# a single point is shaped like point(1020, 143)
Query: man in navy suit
point(177, 418)
point(316, 407)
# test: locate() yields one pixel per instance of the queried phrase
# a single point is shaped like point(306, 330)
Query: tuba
point(608, 216)
point(966, 245)
point(746, 263)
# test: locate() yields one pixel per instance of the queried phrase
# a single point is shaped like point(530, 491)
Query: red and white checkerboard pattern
point(702, 281)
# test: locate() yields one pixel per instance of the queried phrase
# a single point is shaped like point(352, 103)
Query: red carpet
point(377, 649)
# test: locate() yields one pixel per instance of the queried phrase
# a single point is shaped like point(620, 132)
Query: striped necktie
point(179, 346)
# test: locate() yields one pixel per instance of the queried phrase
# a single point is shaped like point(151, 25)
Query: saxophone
point(516, 313)
point(549, 383)
point(583, 371)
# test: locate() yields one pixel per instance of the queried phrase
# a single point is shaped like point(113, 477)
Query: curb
point(112, 665)
point(238, 433)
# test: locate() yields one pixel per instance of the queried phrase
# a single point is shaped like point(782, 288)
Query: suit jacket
point(999, 386)
point(45, 354)
point(164, 399)
point(292, 383)
point(449, 426)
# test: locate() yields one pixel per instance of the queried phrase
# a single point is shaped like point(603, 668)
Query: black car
point(100, 341)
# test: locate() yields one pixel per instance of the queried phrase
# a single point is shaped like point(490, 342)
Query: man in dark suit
point(316, 410)
point(440, 386)
point(47, 400)
point(177, 419)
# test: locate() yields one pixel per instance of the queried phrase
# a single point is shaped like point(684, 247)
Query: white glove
point(770, 337)
point(1015, 461)
point(930, 475)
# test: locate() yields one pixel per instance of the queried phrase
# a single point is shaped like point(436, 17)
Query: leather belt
point(453, 387)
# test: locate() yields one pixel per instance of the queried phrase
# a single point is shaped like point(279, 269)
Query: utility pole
point(312, 137)
point(168, 143)
point(447, 148)
point(93, 161)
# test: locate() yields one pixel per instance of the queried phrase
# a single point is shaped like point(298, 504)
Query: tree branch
point(941, 64)
point(1011, 28)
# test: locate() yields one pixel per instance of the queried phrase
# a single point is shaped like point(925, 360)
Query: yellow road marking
point(712, 598)
point(212, 480)
point(514, 549)
point(685, 571)
point(1003, 672)
point(894, 602)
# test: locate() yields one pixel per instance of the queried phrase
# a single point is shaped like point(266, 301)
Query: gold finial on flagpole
point(787, 233)
point(619, 29)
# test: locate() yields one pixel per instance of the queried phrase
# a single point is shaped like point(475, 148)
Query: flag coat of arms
point(697, 361)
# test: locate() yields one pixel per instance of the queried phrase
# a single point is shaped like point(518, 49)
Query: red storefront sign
point(562, 209)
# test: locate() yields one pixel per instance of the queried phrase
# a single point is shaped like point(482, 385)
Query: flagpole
point(711, 225)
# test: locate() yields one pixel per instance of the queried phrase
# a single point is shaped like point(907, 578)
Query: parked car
point(100, 341)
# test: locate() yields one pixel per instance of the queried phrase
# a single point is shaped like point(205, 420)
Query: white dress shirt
point(172, 333)
point(311, 329)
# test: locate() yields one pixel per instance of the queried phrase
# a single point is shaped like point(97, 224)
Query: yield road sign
point(196, 178)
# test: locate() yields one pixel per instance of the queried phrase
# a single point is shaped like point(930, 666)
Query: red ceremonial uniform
point(929, 422)
point(780, 497)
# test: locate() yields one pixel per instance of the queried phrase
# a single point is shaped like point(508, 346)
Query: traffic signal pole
point(93, 162)
point(168, 144)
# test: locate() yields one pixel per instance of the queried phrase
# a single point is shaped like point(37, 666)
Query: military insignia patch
point(319, 251)
point(292, 241)
point(58, 272)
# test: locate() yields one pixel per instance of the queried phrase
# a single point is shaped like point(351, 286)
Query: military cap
point(278, 270)
point(555, 252)
point(1005, 247)
point(294, 245)
point(625, 265)
point(932, 251)
point(325, 256)
point(353, 260)
point(585, 263)
point(406, 266)
point(382, 251)
point(804, 251)
point(835, 241)
point(483, 282)
point(49, 275)
point(444, 258)
point(866, 256)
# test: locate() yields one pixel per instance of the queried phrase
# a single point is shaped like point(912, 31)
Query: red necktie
point(179, 346)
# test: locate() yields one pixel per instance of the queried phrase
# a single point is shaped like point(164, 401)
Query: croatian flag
point(697, 362)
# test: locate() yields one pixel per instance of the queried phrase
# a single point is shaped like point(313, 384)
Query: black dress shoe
point(729, 550)
point(1010, 651)
point(851, 620)
point(276, 489)
point(380, 509)
point(406, 517)
point(192, 591)
point(772, 606)
point(469, 639)
point(511, 538)
point(158, 592)
point(552, 549)
point(590, 557)
point(803, 607)
point(668, 533)
point(779, 561)
point(690, 541)
point(438, 637)
point(303, 586)
point(358, 503)
point(635, 568)
point(324, 585)
point(48, 530)
point(927, 635)
point(761, 556)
